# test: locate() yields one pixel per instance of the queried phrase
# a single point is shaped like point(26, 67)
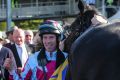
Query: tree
point(29, 24)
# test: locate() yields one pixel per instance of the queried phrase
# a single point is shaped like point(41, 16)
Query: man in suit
point(20, 50)
point(5, 54)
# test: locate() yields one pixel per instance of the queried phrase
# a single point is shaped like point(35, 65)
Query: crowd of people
point(23, 61)
point(25, 56)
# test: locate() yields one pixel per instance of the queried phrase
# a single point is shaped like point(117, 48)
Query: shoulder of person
point(34, 55)
point(6, 49)
point(32, 60)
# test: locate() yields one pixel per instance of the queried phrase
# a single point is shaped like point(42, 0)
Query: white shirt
point(22, 52)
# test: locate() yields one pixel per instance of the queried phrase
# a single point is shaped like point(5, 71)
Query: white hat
point(1, 37)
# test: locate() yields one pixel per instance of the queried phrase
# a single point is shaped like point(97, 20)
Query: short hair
point(29, 32)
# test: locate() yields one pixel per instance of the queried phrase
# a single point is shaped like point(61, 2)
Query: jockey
point(42, 64)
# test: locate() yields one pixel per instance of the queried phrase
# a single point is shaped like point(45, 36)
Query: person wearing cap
point(9, 34)
point(5, 55)
point(42, 64)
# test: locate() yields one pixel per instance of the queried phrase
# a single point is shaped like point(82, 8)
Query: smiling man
point(49, 41)
point(20, 50)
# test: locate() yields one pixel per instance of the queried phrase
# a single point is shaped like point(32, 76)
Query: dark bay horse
point(95, 55)
point(80, 24)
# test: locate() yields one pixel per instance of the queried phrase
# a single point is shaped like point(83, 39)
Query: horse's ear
point(81, 6)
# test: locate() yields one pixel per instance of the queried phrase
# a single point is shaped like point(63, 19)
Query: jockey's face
point(49, 42)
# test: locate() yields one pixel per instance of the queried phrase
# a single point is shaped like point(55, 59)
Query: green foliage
point(29, 24)
point(2, 26)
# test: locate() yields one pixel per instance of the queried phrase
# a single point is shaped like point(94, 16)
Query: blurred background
point(28, 14)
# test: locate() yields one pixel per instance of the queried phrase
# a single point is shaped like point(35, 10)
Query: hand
point(19, 70)
point(7, 64)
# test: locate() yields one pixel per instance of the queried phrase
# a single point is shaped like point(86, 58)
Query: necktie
point(20, 52)
point(51, 54)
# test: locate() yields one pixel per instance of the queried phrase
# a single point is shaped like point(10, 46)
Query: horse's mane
point(96, 54)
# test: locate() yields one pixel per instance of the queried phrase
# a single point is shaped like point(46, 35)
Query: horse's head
point(95, 55)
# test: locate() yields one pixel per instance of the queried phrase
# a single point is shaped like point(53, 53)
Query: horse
point(95, 55)
point(80, 24)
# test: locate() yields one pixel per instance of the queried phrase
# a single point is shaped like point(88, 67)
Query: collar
point(23, 45)
point(53, 57)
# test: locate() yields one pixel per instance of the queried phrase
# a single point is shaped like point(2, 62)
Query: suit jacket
point(32, 47)
point(6, 53)
point(15, 53)
point(8, 45)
